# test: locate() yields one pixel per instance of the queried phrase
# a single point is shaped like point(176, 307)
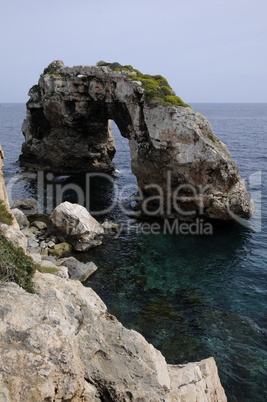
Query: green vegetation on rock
point(47, 270)
point(50, 70)
point(214, 139)
point(5, 216)
point(35, 93)
point(211, 137)
point(15, 266)
point(157, 88)
point(35, 89)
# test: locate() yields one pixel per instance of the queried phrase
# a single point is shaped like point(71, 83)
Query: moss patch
point(46, 270)
point(211, 137)
point(214, 139)
point(157, 88)
point(15, 266)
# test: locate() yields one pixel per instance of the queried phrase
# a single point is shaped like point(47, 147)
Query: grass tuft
point(157, 88)
point(5, 216)
point(15, 266)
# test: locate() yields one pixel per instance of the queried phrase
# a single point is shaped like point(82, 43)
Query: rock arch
point(67, 130)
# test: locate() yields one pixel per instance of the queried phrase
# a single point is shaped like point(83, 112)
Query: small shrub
point(35, 94)
point(35, 89)
point(115, 65)
point(101, 63)
point(161, 80)
point(15, 266)
point(157, 88)
point(165, 90)
point(5, 216)
point(176, 101)
point(50, 69)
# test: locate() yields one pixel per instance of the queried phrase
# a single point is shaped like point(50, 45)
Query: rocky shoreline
point(60, 343)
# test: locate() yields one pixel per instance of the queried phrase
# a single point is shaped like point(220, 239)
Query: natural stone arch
point(67, 130)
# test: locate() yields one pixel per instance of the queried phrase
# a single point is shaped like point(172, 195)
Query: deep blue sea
point(191, 296)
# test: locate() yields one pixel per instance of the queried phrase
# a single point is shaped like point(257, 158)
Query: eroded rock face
point(62, 344)
point(176, 157)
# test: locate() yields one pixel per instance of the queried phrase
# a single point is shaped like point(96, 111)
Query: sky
point(209, 50)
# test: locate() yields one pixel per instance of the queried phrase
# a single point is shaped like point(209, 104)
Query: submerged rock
point(78, 270)
point(59, 250)
point(76, 224)
point(62, 344)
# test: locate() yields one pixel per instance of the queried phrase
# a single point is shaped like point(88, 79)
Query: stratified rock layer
point(61, 344)
point(175, 155)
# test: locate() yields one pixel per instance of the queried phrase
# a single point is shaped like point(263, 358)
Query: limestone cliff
point(61, 344)
point(172, 148)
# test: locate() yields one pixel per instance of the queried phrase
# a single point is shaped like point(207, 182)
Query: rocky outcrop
point(20, 217)
point(14, 235)
point(78, 270)
point(77, 226)
point(62, 344)
point(27, 205)
point(196, 382)
point(177, 159)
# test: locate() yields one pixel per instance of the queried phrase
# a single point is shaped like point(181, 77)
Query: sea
point(191, 296)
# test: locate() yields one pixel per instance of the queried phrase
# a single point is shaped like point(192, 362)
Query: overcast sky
point(209, 50)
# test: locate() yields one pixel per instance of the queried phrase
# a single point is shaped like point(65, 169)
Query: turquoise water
point(191, 296)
